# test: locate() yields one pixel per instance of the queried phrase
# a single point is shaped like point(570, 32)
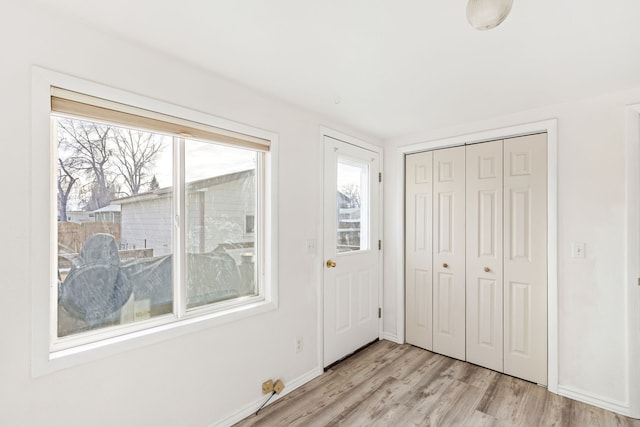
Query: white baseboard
point(252, 407)
point(390, 337)
point(621, 408)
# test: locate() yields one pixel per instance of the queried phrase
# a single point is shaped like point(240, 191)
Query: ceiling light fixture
point(487, 14)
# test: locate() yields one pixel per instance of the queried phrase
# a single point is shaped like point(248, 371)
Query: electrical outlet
point(278, 386)
point(267, 386)
point(299, 344)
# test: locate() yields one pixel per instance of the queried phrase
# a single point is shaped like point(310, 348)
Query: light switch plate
point(312, 246)
point(577, 249)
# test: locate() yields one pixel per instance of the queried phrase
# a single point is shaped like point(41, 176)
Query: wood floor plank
point(507, 393)
point(586, 415)
point(366, 411)
point(480, 377)
point(462, 408)
point(433, 402)
point(387, 384)
point(412, 365)
point(395, 412)
point(426, 386)
point(480, 419)
point(556, 411)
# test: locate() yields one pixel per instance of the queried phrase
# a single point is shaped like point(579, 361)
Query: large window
point(157, 218)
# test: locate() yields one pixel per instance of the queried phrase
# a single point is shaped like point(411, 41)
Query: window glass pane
point(352, 206)
point(220, 233)
point(115, 198)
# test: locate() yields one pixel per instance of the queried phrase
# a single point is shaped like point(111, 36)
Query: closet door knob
point(445, 265)
point(487, 269)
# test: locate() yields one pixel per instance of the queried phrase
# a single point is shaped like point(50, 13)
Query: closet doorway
point(476, 254)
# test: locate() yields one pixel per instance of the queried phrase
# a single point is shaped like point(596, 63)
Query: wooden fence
point(71, 236)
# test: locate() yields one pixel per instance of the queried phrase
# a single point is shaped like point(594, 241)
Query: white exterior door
point(525, 261)
point(484, 255)
point(419, 249)
point(351, 248)
point(449, 252)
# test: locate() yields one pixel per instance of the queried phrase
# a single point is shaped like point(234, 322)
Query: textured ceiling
point(397, 67)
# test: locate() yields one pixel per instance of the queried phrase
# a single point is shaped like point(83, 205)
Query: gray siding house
point(221, 210)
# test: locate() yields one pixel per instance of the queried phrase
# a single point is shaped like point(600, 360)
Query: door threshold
point(326, 368)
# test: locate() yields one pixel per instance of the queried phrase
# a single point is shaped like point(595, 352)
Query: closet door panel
point(449, 252)
point(418, 249)
point(484, 255)
point(525, 261)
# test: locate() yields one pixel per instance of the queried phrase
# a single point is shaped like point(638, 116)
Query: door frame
point(551, 128)
point(331, 133)
point(632, 290)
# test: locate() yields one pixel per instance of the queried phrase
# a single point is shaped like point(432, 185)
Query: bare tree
point(89, 146)
point(95, 160)
point(133, 156)
point(66, 182)
point(352, 191)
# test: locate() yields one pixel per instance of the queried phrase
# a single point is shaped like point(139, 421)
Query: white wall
point(197, 379)
point(591, 208)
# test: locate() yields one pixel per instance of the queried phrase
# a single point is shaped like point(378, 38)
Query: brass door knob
point(331, 264)
point(445, 265)
point(487, 269)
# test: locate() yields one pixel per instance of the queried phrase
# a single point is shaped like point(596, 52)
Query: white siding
point(147, 224)
point(226, 205)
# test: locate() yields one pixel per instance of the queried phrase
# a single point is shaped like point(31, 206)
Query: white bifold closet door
point(448, 252)
point(484, 255)
point(525, 258)
point(476, 254)
point(418, 247)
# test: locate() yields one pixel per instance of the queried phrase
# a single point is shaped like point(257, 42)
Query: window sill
point(70, 357)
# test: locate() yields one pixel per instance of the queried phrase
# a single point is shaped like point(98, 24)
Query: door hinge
point(379, 312)
point(379, 245)
point(638, 281)
point(379, 176)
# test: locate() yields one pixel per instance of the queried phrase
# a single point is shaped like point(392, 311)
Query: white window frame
point(49, 353)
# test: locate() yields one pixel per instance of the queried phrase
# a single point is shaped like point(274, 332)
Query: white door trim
point(325, 131)
point(551, 128)
point(632, 290)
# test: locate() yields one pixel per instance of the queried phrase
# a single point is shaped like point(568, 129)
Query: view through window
point(118, 203)
point(352, 206)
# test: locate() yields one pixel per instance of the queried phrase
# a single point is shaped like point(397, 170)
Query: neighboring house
point(110, 213)
point(215, 215)
point(78, 217)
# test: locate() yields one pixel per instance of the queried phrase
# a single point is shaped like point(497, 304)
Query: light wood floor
point(387, 384)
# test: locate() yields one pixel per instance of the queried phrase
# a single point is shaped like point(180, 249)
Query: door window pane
point(114, 222)
point(221, 198)
point(352, 206)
